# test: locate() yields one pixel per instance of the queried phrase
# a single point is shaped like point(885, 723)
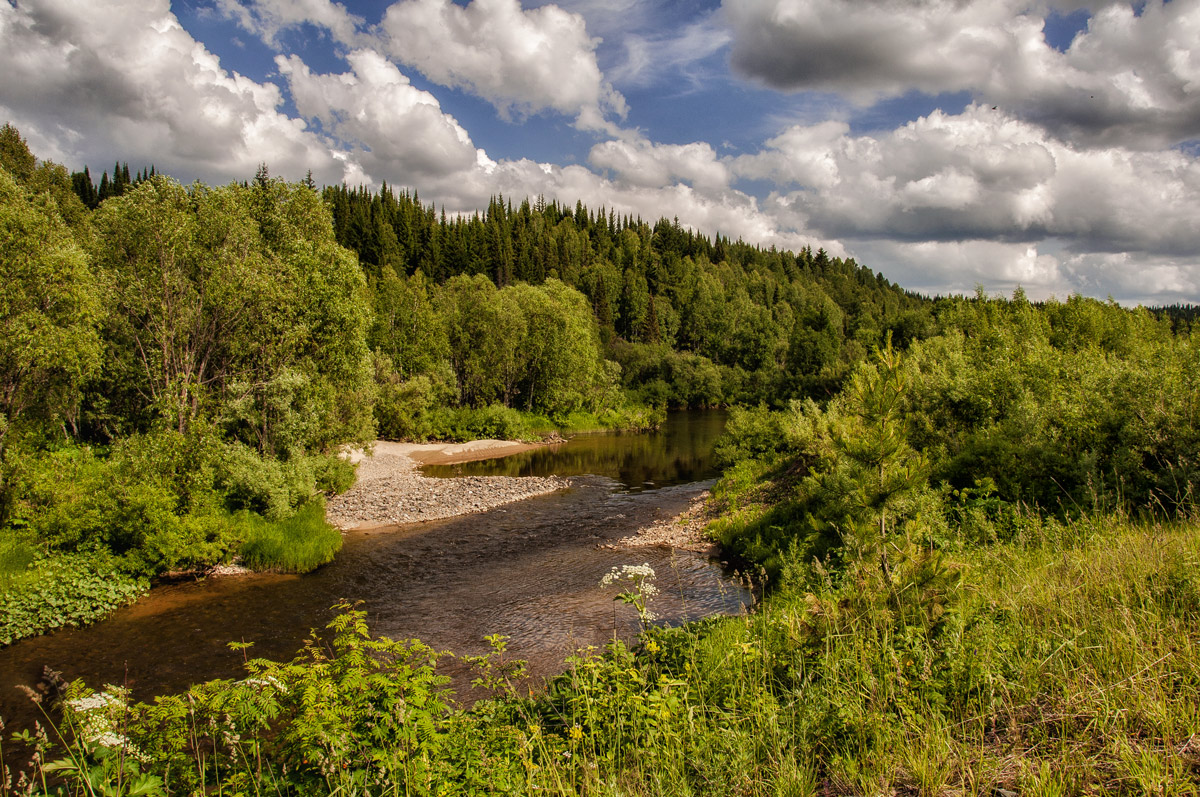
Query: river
point(529, 570)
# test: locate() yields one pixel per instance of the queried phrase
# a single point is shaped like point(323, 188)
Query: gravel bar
point(389, 490)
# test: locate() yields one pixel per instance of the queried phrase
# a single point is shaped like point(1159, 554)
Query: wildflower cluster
point(641, 591)
point(98, 718)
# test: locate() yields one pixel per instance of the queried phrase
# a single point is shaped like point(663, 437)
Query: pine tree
point(882, 471)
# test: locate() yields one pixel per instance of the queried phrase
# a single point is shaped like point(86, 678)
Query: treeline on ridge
point(692, 322)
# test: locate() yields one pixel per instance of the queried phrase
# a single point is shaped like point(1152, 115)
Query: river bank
point(684, 531)
point(390, 490)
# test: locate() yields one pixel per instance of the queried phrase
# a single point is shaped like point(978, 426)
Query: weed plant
point(297, 544)
point(66, 590)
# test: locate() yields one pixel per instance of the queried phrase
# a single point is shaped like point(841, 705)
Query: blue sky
point(950, 144)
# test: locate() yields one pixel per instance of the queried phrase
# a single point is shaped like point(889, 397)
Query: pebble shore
point(389, 489)
point(685, 531)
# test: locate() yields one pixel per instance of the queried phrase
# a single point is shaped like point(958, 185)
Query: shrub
point(464, 423)
point(16, 555)
point(750, 433)
point(253, 483)
point(333, 474)
point(66, 590)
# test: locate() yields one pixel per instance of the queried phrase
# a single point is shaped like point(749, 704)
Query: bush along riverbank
point(92, 527)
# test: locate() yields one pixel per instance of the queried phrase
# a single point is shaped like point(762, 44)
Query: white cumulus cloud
point(1131, 78)
point(521, 61)
point(392, 128)
point(637, 161)
point(983, 174)
point(268, 18)
point(93, 82)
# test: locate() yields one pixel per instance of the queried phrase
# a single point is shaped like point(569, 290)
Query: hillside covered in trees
point(692, 322)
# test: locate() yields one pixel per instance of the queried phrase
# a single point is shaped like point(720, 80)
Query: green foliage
point(175, 357)
point(656, 375)
point(751, 433)
point(163, 501)
point(492, 422)
point(296, 544)
point(1066, 406)
point(234, 305)
point(631, 417)
point(350, 712)
point(17, 553)
point(126, 502)
point(333, 474)
point(1067, 661)
point(48, 310)
point(404, 408)
point(253, 483)
point(60, 591)
point(873, 485)
point(693, 321)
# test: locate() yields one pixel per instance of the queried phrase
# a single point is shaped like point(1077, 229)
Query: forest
point(972, 520)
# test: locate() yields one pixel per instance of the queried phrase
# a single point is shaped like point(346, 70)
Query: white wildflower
point(631, 572)
point(111, 740)
point(100, 700)
point(639, 592)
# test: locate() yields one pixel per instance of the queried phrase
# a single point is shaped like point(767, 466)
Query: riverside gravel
point(389, 490)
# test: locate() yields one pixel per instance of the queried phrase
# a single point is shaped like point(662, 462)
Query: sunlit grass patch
point(298, 544)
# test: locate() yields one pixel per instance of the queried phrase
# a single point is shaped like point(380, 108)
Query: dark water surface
point(529, 570)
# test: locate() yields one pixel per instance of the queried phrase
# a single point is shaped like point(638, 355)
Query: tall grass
point(298, 544)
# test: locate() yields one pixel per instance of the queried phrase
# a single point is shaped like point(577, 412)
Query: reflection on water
point(679, 453)
point(530, 570)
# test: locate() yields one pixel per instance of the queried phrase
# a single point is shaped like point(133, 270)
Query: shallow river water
point(529, 570)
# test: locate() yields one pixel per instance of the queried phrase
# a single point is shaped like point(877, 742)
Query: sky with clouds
point(950, 144)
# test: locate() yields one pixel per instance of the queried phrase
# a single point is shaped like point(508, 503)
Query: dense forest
point(972, 519)
point(692, 322)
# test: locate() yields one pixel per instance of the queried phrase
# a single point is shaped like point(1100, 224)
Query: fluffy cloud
point(943, 267)
point(1043, 270)
point(87, 82)
point(393, 129)
point(870, 47)
point(520, 61)
point(268, 18)
point(639, 162)
point(982, 174)
point(1130, 78)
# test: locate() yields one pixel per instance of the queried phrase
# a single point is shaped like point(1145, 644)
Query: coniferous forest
point(972, 520)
